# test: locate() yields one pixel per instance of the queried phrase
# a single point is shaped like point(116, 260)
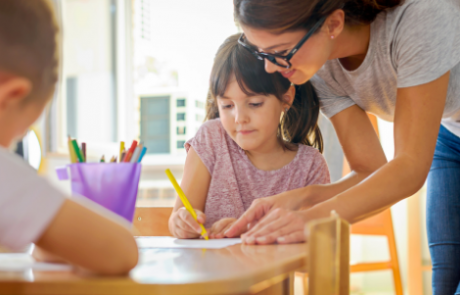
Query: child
point(31, 210)
point(245, 151)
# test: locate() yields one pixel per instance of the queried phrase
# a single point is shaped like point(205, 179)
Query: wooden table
point(238, 269)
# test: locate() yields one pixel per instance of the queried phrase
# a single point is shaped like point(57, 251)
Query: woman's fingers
point(258, 209)
point(219, 227)
point(279, 223)
point(295, 237)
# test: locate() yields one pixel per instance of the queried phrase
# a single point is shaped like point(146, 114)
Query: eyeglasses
point(278, 59)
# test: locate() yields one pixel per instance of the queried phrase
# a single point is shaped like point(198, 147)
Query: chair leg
point(395, 264)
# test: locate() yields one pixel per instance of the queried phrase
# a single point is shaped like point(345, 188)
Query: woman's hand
point(220, 227)
point(290, 200)
point(183, 226)
point(280, 225)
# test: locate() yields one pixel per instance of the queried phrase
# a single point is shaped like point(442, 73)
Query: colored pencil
point(130, 152)
point(144, 150)
point(122, 148)
point(83, 150)
point(77, 151)
point(136, 154)
point(72, 154)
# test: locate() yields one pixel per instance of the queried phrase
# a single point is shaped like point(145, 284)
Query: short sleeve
point(426, 41)
point(331, 102)
point(319, 172)
point(207, 143)
point(28, 203)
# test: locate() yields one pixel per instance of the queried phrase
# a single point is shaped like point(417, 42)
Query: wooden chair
point(151, 221)
point(378, 225)
point(328, 257)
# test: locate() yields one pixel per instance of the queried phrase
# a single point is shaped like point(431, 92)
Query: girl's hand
point(280, 225)
point(218, 229)
point(184, 226)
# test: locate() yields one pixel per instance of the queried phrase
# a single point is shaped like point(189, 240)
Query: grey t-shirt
point(410, 45)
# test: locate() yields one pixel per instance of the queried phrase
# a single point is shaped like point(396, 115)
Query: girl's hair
point(299, 125)
point(290, 15)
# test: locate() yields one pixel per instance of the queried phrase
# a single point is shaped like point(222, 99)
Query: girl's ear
point(13, 90)
point(288, 97)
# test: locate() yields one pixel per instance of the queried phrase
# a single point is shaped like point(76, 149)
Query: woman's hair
point(290, 15)
point(28, 44)
point(298, 125)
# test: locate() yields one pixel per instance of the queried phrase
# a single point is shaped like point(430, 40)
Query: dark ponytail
point(298, 126)
point(289, 15)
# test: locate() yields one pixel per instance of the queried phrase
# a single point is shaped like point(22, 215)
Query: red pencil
point(130, 152)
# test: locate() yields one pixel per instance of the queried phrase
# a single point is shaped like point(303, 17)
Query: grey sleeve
point(426, 41)
point(330, 101)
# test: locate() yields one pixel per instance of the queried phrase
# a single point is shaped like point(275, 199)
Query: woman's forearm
point(319, 193)
point(398, 179)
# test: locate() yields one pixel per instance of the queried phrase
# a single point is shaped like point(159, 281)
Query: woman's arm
point(418, 115)
point(195, 184)
point(363, 151)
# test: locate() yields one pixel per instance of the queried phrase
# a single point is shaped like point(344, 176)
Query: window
point(181, 130)
point(155, 124)
point(180, 102)
point(199, 104)
point(128, 70)
point(199, 118)
point(180, 116)
point(89, 76)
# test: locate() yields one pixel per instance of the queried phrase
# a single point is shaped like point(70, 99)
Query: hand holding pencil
point(187, 222)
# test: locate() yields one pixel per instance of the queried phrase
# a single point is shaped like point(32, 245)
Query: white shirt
point(28, 203)
point(409, 45)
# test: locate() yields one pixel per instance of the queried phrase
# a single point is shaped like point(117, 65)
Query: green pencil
point(78, 151)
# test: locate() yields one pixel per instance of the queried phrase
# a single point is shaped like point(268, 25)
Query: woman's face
point(305, 62)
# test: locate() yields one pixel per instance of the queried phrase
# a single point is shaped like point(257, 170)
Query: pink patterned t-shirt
point(236, 182)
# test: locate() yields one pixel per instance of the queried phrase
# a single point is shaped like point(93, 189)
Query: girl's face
point(305, 62)
point(251, 121)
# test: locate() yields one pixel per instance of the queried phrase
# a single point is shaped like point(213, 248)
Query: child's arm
point(89, 240)
point(195, 184)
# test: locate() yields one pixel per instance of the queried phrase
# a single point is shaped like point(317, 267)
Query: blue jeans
point(443, 214)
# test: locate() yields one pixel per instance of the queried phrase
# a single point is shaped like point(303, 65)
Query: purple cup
point(112, 185)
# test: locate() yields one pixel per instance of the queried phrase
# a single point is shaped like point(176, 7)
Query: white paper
point(170, 242)
point(23, 262)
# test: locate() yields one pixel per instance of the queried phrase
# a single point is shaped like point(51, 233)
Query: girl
point(397, 59)
point(244, 151)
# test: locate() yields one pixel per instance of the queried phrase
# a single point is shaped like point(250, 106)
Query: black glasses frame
point(272, 57)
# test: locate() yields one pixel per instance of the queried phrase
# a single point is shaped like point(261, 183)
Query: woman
point(398, 60)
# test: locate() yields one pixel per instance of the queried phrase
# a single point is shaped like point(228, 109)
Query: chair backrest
point(328, 256)
point(380, 224)
point(151, 221)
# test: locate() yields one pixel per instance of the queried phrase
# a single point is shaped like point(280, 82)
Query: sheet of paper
point(170, 242)
point(23, 262)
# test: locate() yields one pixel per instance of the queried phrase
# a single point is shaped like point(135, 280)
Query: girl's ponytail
point(300, 124)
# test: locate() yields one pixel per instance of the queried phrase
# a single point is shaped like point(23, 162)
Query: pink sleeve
point(319, 172)
point(207, 143)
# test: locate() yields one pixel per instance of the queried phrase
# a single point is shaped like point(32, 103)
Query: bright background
point(119, 55)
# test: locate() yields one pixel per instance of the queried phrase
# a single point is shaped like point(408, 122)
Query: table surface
point(231, 270)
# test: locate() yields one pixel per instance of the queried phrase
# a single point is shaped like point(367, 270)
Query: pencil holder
point(112, 185)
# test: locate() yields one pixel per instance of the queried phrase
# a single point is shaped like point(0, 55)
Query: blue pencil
point(144, 150)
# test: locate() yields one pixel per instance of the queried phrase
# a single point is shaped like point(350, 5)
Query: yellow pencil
point(122, 148)
point(185, 201)
point(72, 153)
